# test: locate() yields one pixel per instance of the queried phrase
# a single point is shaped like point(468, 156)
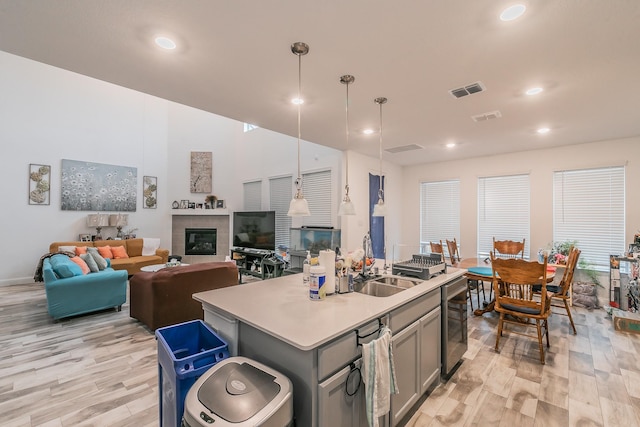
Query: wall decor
point(88, 186)
point(184, 204)
point(201, 172)
point(84, 237)
point(220, 204)
point(150, 192)
point(39, 184)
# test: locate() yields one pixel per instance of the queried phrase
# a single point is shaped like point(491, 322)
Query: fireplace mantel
point(200, 212)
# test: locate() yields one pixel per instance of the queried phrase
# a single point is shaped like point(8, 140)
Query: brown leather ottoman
point(163, 297)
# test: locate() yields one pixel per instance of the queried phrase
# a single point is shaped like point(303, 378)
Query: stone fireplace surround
point(197, 219)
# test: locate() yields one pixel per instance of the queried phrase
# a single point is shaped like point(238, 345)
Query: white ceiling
point(234, 59)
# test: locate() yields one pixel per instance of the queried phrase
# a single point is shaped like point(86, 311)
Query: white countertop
point(281, 307)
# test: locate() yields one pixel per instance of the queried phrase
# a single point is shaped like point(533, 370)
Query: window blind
point(252, 196)
point(316, 187)
point(589, 207)
point(280, 193)
point(503, 211)
point(439, 212)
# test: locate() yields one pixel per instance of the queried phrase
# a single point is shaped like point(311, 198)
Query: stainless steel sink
point(376, 289)
point(400, 282)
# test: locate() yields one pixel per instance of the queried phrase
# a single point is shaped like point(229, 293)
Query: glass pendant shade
point(346, 207)
point(379, 209)
point(299, 205)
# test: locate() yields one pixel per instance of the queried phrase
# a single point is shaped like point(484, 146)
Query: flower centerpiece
point(557, 252)
point(210, 201)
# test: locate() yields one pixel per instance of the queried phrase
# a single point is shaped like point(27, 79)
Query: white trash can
point(238, 391)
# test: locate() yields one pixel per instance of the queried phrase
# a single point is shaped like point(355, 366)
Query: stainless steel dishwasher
point(454, 324)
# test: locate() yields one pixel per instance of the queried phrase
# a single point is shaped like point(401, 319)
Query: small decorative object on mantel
point(220, 204)
point(210, 201)
point(175, 204)
point(130, 233)
point(39, 184)
point(150, 192)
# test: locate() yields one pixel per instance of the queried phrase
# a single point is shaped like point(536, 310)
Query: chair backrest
point(508, 248)
point(567, 277)
point(436, 248)
point(452, 247)
point(513, 281)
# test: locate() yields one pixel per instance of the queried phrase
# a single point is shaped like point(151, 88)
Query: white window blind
point(280, 194)
point(252, 196)
point(589, 207)
point(503, 211)
point(440, 212)
point(316, 187)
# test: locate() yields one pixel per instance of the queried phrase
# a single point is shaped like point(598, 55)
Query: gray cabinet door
point(335, 407)
point(406, 355)
point(430, 332)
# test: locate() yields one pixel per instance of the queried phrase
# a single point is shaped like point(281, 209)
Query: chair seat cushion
point(550, 288)
point(481, 271)
point(519, 309)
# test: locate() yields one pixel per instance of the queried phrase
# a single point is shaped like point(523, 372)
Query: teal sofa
point(84, 293)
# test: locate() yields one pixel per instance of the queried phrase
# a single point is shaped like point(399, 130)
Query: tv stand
point(260, 263)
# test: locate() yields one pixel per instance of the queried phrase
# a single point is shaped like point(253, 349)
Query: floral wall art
point(150, 192)
point(201, 171)
point(39, 184)
point(88, 186)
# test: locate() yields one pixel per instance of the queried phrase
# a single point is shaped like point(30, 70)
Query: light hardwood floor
point(101, 370)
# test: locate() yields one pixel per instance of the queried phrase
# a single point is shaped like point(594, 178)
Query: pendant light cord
point(380, 152)
point(347, 133)
point(299, 103)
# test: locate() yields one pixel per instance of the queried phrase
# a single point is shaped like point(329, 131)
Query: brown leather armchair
point(164, 297)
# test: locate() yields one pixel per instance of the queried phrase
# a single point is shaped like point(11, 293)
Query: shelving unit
point(622, 270)
point(259, 263)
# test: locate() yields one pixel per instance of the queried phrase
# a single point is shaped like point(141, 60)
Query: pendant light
point(299, 205)
point(380, 209)
point(346, 207)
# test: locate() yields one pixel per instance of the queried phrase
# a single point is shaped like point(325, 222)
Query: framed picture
point(192, 205)
point(39, 184)
point(184, 204)
point(150, 192)
point(201, 171)
point(199, 206)
point(220, 204)
point(85, 237)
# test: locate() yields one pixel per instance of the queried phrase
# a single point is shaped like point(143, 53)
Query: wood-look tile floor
point(101, 370)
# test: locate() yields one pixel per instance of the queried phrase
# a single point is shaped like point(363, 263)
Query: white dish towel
point(379, 375)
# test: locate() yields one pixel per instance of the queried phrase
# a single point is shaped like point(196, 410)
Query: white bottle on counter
point(306, 266)
point(317, 284)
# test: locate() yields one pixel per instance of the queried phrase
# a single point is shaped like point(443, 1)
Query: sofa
point(134, 248)
point(70, 292)
point(164, 297)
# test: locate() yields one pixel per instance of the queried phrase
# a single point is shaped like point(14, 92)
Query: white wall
point(51, 114)
point(540, 164)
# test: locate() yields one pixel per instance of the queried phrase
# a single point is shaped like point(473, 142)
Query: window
point(589, 207)
point(280, 193)
point(503, 211)
point(252, 194)
point(316, 187)
point(248, 127)
point(439, 212)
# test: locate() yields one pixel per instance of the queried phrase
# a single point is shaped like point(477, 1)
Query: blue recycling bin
point(185, 352)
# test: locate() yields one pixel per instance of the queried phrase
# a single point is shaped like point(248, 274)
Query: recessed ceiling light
point(534, 91)
point(543, 130)
point(368, 131)
point(512, 12)
point(165, 43)
point(451, 145)
point(297, 101)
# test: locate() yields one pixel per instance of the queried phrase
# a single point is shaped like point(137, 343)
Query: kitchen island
point(315, 343)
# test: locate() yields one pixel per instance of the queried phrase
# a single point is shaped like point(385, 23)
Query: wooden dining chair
point(437, 248)
point(560, 293)
point(452, 248)
point(508, 248)
point(472, 284)
point(513, 282)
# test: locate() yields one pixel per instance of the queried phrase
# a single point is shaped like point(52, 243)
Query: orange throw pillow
point(83, 265)
point(119, 252)
point(105, 252)
point(81, 250)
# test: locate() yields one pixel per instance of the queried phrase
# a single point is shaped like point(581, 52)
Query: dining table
point(480, 269)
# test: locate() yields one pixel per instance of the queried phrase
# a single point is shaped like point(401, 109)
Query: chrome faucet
point(368, 253)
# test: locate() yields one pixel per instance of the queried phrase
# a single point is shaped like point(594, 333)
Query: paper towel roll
point(327, 259)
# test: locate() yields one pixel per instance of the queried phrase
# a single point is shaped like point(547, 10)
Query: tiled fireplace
point(205, 231)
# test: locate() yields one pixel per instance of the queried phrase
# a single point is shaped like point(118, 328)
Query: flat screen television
point(256, 230)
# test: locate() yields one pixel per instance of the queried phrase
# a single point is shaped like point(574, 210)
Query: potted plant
point(210, 201)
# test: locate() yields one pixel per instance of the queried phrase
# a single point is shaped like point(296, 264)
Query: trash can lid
point(237, 391)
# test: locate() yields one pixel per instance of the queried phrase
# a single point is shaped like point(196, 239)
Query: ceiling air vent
point(487, 116)
point(403, 148)
point(467, 90)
